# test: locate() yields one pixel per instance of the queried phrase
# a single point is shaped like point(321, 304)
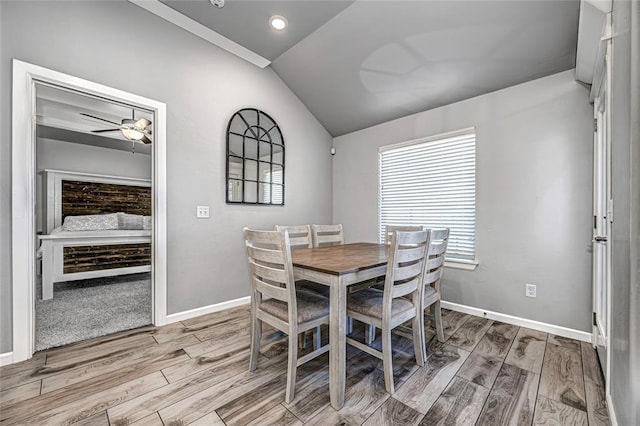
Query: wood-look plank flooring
point(195, 372)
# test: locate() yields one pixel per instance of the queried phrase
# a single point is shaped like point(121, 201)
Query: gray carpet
point(85, 309)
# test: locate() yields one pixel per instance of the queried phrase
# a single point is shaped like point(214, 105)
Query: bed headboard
point(74, 193)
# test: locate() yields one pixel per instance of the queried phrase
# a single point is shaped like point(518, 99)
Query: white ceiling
point(58, 117)
point(357, 64)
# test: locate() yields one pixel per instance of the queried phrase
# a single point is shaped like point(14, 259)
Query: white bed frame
point(52, 245)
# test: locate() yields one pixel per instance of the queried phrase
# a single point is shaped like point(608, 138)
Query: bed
point(72, 251)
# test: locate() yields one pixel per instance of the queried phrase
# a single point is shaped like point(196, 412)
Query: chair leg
point(370, 334)
point(302, 340)
point(317, 338)
point(437, 313)
point(291, 369)
point(387, 365)
point(417, 326)
point(256, 336)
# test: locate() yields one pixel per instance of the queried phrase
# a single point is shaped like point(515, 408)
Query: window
point(432, 182)
point(255, 159)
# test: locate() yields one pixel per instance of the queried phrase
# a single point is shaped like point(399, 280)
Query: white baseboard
point(522, 322)
point(6, 358)
point(180, 316)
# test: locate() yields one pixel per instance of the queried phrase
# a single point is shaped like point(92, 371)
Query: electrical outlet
point(202, 212)
point(530, 290)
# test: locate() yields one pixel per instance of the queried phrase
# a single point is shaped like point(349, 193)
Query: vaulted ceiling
point(355, 64)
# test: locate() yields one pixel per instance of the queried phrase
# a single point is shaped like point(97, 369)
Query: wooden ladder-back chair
point(434, 268)
point(400, 301)
point(379, 283)
point(327, 235)
point(300, 238)
point(275, 300)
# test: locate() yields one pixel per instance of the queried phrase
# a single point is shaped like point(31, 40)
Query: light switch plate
point(202, 212)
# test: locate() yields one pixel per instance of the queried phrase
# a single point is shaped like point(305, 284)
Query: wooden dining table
point(338, 267)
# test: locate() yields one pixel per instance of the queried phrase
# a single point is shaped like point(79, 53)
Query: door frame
point(23, 230)
point(601, 94)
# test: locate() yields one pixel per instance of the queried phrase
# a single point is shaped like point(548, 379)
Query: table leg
point(338, 341)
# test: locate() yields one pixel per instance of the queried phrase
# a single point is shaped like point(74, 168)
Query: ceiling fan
point(132, 129)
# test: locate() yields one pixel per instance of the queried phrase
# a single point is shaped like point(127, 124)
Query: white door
point(602, 218)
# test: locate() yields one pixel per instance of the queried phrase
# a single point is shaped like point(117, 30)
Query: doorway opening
point(56, 248)
point(93, 217)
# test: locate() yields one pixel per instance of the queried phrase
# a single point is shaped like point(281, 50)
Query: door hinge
point(594, 319)
point(595, 222)
point(595, 125)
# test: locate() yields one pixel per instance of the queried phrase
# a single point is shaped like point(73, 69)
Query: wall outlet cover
point(530, 290)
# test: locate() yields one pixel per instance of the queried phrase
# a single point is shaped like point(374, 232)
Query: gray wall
point(625, 143)
point(68, 156)
point(121, 45)
point(534, 166)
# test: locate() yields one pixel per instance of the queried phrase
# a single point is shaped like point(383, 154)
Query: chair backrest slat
point(405, 228)
point(270, 290)
point(299, 235)
point(405, 288)
point(407, 272)
point(327, 235)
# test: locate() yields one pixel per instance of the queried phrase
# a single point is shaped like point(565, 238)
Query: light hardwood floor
point(197, 372)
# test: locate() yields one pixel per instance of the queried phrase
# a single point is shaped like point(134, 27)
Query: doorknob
point(600, 239)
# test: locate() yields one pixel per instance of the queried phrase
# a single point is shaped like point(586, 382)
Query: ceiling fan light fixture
point(278, 23)
point(132, 134)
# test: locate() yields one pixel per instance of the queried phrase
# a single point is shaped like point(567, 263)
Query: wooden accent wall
point(92, 258)
point(82, 198)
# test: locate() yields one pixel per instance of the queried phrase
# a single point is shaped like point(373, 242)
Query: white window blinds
point(432, 182)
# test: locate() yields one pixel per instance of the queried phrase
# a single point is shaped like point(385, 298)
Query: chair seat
point(369, 302)
point(311, 306)
point(314, 287)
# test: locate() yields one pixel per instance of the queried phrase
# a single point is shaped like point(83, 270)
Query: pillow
point(94, 222)
point(129, 221)
point(146, 222)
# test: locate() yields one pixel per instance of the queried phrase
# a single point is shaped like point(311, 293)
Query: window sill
point(465, 265)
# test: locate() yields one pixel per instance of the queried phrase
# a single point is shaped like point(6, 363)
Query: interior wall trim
point(23, 244)
point(571, 333)
point(6, 358)
point(180, 316)
point(612, 411)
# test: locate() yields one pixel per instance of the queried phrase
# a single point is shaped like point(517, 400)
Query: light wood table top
point(341, 259)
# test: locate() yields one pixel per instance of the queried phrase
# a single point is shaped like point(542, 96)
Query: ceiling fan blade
point(105, 130)
point(145, 140)
point(101, 119)
point(142, 123)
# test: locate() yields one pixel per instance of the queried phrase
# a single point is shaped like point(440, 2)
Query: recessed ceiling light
point(217, 3)
point(278, 22)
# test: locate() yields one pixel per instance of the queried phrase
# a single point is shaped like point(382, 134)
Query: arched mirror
point(255, 159)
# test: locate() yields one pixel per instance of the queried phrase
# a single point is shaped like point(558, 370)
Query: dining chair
point(434, 268)
point(276, 301)
point(399, 302)
point(299, 238)
point(370, 335)
point(327, 235)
